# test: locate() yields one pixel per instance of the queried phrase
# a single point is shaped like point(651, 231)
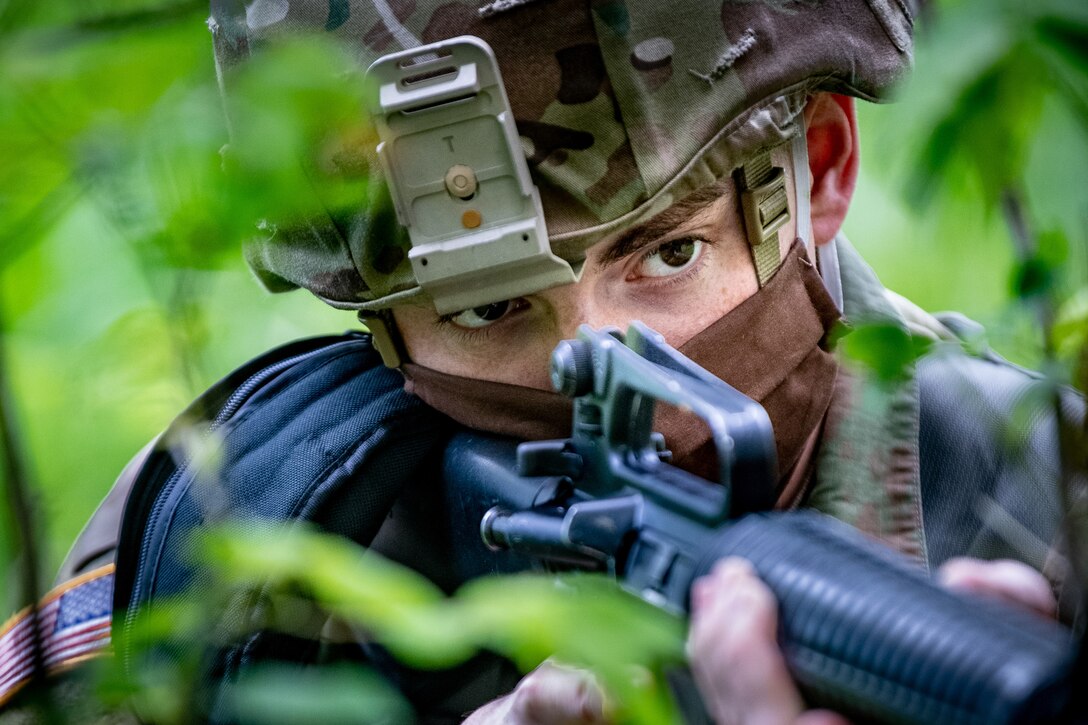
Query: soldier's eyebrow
point(659, 225)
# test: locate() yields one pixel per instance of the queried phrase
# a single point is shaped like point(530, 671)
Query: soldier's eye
point(672, 257)
point(485, 315)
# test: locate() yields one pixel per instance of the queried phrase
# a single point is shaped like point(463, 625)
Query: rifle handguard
point(866, 634)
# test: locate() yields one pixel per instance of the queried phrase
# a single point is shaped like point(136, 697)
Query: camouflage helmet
point(623, 107)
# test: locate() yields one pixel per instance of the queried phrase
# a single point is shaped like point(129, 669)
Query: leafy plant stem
point(22, 520)
point(1072, 434)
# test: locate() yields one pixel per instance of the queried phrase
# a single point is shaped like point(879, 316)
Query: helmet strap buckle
point(765, 210)
point(386, 338)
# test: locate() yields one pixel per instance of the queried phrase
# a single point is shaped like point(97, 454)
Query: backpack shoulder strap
point(327, 435)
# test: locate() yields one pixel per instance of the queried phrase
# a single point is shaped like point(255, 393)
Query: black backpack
point(316, 431)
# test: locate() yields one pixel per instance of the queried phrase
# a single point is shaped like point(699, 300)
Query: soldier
point(653, 133)
point(697, 160)
point(694, 163)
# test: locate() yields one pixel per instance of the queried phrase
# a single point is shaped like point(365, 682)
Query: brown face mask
point(770, 347)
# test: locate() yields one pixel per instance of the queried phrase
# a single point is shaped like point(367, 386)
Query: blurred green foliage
point(997, 105)
point(329, 696)
point(292, 579)
point(123, 293)
point(580, 620)
point(886, 350)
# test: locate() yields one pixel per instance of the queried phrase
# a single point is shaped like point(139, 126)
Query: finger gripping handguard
point(863, 630)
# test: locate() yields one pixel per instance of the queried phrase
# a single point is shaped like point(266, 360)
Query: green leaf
point(583, 620)
point(1070, 333)
point(886, 350)
point(1033, 278)
point(275, 695)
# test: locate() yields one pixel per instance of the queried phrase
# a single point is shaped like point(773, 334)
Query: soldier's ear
point(832, 135)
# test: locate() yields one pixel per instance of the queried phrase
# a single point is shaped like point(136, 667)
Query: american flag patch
point(74, 625)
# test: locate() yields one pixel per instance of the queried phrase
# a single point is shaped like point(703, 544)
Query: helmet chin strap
point(826, 255)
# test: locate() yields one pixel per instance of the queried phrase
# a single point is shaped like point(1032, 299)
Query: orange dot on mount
point(471, 219)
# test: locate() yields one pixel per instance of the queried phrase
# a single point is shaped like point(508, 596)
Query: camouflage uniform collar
point(868, 471)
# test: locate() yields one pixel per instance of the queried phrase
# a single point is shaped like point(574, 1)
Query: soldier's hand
point(552, 694)
point(1004, 579)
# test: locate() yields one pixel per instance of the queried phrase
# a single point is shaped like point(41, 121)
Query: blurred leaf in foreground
point(284, 695)
point(582, 620)
point(1071, 325)
point(884, 349)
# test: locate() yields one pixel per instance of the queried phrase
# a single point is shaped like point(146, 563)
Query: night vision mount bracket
point(458, 176)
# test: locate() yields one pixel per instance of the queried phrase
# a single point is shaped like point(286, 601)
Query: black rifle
point(863, 630)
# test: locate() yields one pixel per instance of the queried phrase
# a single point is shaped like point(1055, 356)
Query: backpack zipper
point(229, 408)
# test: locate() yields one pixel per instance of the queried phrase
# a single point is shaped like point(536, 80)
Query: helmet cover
point(622, 107)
